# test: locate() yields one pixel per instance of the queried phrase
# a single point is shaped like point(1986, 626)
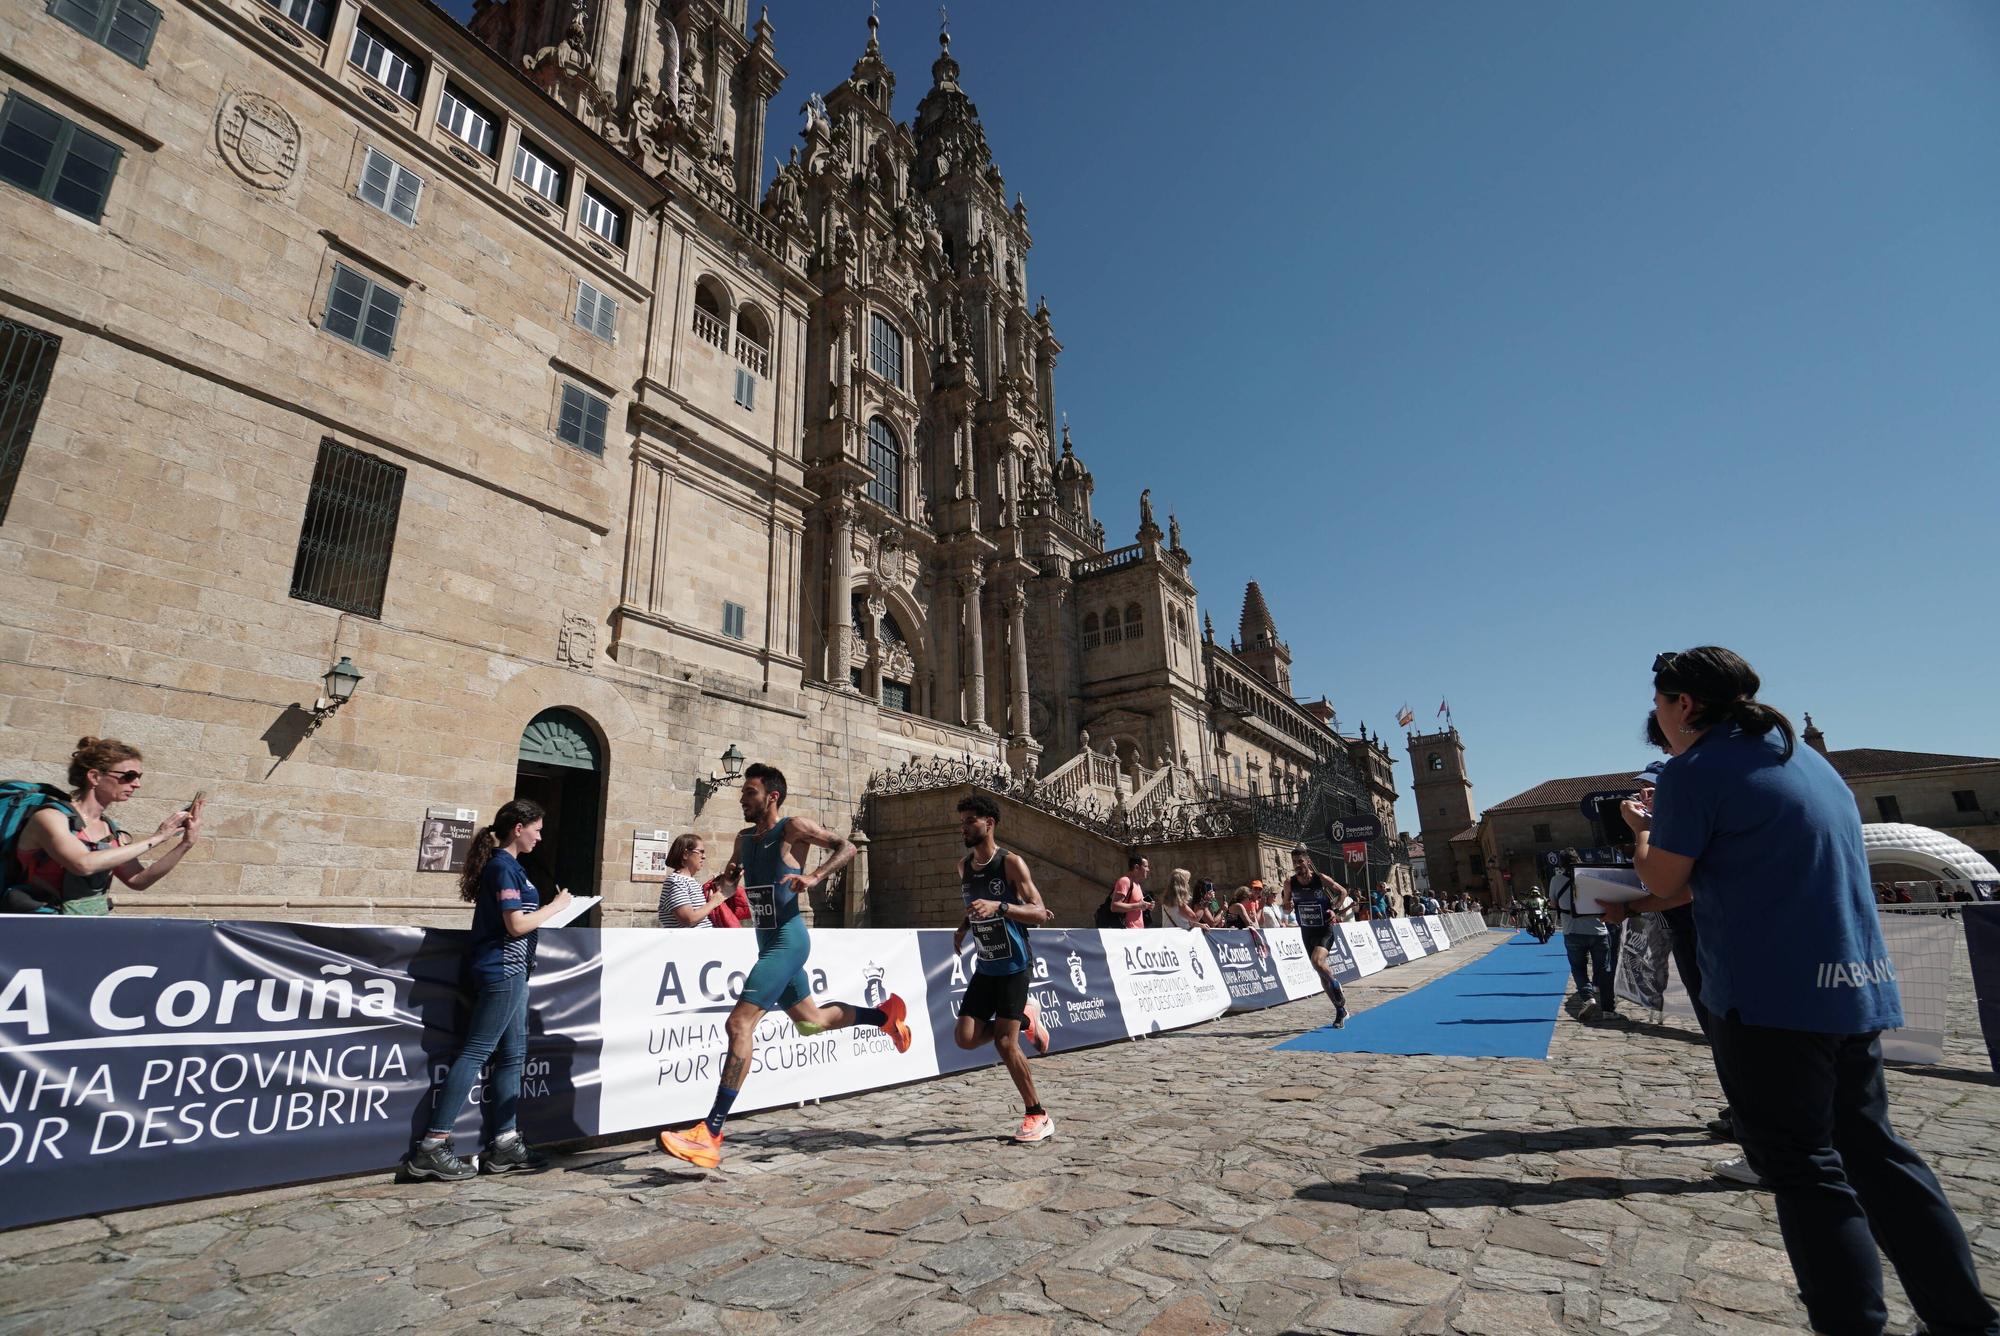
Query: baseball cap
point(1651, 774)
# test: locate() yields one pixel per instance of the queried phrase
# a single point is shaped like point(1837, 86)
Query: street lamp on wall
point(732, 770)
point(339, 683)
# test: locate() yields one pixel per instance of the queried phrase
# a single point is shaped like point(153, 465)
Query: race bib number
point(1312, 913)
point(991, 938)
point(763, 906)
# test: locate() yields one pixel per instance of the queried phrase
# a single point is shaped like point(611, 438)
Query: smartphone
point(1611, 816)
point(200, 797)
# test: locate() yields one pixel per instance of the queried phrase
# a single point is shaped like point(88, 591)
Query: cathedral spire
point(1256, 627)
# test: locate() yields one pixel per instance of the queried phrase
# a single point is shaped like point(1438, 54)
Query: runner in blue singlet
point(770, 859)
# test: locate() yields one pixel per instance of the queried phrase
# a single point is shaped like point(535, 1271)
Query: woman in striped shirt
point(682, 902)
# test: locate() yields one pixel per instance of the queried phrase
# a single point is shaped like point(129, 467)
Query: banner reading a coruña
point(1067, 977)
point(1406, 937)
point(1439, 933)
point(1428, 942)
point(1166, 978)
point(1295, 967)
point(668, 994)
point(1249, 965)
point(149, 1060)
point(1366, 946)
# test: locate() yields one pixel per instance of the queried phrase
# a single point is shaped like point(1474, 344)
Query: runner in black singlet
point(770, 857)
point(1001, 904)
point(1310, 894)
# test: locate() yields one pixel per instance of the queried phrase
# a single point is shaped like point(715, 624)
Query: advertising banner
point(1295, 970)
point(1982, 946)
point(1165, 978)
point(1440, 931)
point(149, 1060)
point(1249, 965)
point(1387, 942)
point(142, 1061)
point(1407, 936)
point(1427, 941)
point(1366, 946)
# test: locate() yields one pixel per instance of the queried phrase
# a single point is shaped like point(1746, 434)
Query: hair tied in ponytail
point(516, 812)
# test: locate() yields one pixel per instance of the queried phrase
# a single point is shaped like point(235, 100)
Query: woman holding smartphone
point(1764, 838)
point(507, 911)
point(66, 865)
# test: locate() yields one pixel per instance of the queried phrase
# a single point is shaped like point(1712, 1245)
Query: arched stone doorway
point(561, 766)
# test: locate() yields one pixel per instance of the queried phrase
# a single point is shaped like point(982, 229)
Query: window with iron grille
point(583, 419)
point(885, 466)
point(596, 312)
point(885, 349)
point(56, 159)
point(603, 217)
point(27, 356)
point(537, 171)
point(349, 531)
point(732, 620)
point(125, 27)
point(465, 119)
point(896, 695)
point(315, 16)
point(383, 59)
point(390, 186)
point(362, 312)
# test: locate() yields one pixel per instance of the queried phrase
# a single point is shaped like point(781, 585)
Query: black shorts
point(1317, 939)
point(996, 997)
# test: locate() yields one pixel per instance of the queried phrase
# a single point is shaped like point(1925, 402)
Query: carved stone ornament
point(576, 642)
point(258, 139)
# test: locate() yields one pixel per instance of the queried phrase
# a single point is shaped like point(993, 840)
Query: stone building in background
point(489, 360)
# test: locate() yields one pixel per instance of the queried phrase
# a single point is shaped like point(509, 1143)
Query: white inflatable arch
point(1931, 852)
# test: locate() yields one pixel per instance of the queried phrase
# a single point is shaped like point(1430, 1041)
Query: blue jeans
point(1812, 1113)
point(499, 1030)
point(1594, 952)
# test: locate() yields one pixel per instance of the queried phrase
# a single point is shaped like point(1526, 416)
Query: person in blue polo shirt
point(1764, 836)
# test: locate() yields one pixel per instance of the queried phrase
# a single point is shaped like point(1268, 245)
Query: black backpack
point(1107, 917)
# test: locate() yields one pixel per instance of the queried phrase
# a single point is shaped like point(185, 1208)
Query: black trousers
point(1680, 932)
point(1812, 1113)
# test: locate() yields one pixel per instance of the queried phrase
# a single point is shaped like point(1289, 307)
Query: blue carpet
point(1502, 1005)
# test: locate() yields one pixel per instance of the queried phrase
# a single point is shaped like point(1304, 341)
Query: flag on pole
point(1405, 716)
point(1444, 707)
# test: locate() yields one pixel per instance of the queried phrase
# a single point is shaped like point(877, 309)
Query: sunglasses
point(126, 776)
point(1664, 663)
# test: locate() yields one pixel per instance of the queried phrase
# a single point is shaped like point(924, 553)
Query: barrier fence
point(150, 1060)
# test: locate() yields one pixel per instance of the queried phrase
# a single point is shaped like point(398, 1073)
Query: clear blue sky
point(1506, 345)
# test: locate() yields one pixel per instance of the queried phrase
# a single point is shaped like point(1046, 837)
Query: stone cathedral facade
point(493, 360)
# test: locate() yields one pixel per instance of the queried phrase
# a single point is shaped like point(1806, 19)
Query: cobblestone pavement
point(1198, 1182)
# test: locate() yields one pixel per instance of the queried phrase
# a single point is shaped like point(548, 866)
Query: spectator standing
point(1128, 896)
point(1587, 941)
point(1174, 910)
point(684, 901)
point(507, 913)
point(1269, 915)
point(62, 865)
point(1758, 831)
point(1378, 902)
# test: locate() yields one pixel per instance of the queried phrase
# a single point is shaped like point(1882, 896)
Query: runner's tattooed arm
point(804, 832)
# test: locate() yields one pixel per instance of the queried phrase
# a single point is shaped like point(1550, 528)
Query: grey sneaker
point(435, 1159)
point(1340, 1018)
point(1738, 1170)
point(510, 1155)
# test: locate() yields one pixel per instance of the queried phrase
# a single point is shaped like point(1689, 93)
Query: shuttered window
point(349, 531)
point(27, 357)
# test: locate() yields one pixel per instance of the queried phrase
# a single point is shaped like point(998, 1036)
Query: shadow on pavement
point(1492, 1145)
point(1399, 1192)
point(1945, 1073)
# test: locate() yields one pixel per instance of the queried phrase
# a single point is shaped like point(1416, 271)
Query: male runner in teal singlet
point(1001, 904)
point(770, 860)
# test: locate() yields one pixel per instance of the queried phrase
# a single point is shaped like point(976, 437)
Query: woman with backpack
point(507, 911)
point(69, 848)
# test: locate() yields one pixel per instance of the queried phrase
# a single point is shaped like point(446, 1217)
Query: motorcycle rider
point(1535, 916)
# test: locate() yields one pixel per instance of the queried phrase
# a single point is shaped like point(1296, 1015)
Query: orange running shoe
point(1035, 1127)
point(895, 1012)
point(1038, 1033)
point(698, 1146)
